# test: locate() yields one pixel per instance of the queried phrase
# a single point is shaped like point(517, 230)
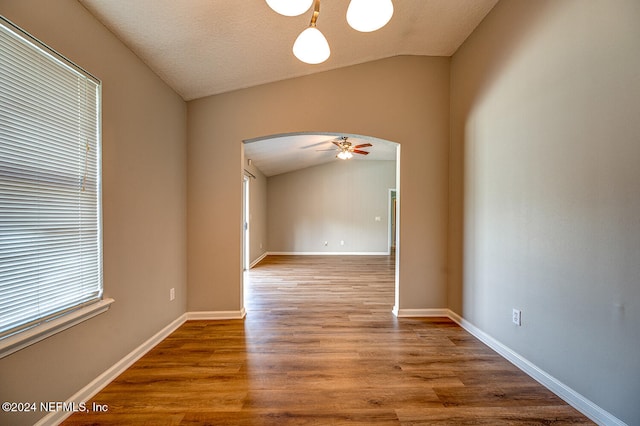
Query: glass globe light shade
point(290, 7)
point(369, 15)
point(311, 46)
point(344, 155)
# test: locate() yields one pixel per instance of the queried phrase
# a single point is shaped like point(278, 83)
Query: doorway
point(246, 215)
point(279, 155)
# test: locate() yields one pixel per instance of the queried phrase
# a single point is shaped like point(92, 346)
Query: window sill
point(19, 341)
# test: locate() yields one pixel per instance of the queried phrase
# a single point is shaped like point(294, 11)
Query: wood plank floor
point(319, 346)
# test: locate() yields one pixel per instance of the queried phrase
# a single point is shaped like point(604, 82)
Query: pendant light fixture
point(290, 7)
point(311, 46)
point(369, 15)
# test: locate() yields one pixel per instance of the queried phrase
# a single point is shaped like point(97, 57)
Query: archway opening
point(307, 201)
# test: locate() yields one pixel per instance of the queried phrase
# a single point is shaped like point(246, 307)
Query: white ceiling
point(286, 153)
point(206, 47)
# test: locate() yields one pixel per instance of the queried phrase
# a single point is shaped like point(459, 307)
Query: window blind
point(50, 191)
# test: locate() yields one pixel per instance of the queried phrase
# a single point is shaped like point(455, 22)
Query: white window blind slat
point(23, 156)
point(50, 194)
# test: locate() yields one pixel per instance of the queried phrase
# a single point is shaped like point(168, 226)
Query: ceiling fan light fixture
point(344, 155)
point(311, 46)
point(369, 15)
point(290, 7)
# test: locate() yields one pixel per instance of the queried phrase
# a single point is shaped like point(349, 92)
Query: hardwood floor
point(320, 346)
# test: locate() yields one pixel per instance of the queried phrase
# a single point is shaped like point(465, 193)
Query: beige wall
point(144, 206)
point(401, 99)
point(334, 202)
point(545, 190)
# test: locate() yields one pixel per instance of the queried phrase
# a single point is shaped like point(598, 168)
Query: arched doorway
point(275, 155)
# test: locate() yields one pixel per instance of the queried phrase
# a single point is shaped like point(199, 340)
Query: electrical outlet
point(342, 242)
point(172, 294)
point(326, 243)
point(517, 317)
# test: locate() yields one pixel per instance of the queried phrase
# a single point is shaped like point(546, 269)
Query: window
point(50, 194)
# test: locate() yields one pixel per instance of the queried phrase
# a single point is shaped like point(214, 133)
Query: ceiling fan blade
point(337, 144)
point(364, 145)
point(357, 151)
point(313, 145)
point(330, 149)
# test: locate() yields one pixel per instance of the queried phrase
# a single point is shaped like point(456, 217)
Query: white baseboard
point(216, 315)
point(570, 396)
point(573, 398)
point(416, 313)
point(328, 253)
point(100, 382)
point(255, 262)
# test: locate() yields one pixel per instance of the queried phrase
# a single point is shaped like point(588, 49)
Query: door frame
point(393, 213)
point(246, 217)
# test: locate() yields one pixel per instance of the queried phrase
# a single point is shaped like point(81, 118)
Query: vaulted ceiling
point(286, 153)
point(207, 47)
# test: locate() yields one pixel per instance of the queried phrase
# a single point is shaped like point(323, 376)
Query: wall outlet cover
point(517, 317)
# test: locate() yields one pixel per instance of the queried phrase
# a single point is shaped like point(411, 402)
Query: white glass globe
point(369, 15)
point(311, 46)
point(290, 7)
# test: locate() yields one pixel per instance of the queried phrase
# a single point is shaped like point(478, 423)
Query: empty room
point(227, 212)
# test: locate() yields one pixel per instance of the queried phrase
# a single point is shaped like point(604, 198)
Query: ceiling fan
point(346, 149)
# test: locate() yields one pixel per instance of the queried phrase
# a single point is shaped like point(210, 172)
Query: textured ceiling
point(207, 47)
